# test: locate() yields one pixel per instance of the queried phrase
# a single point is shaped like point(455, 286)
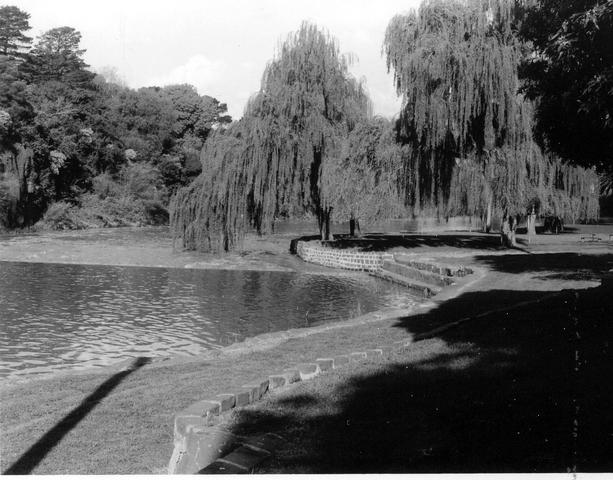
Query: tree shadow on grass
point(521, 389)
point(37, 452)
point(381, 242)
point(558, 264)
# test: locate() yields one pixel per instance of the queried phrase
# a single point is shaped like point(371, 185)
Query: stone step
point(417, 274)
point(420, 288)
point(438, 268)
point(246, 456)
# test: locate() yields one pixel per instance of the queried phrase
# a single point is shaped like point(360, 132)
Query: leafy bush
point(96, 212)
point(62, 216)
point(104, 186)
point(135, 198)
point(141, 181)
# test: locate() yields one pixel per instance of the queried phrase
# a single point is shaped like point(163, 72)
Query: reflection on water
point(55, 317)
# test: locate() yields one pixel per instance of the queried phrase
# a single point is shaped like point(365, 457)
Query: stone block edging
point(199, 437)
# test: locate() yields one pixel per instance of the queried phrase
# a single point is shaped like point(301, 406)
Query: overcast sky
point(221, 47)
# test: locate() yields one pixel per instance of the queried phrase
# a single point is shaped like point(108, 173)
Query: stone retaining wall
point(348, 259)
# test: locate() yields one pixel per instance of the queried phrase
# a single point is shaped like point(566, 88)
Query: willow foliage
point(366, 181)
point(517, 181)
point(274, 157)
point(468, 130)
point(455, 66)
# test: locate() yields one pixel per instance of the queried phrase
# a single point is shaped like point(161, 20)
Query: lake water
point(55, 317)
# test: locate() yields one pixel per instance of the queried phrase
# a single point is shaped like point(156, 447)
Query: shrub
point(62, 216)
point(96, 212)
point(140, 181)
point(104, 186)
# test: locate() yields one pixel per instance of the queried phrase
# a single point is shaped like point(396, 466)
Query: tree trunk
point(514, 223)
point(327, 224)
point(531, 226)
point(352, 226)
point(488, 217)
point(320, 223)
point(323, 220)
point(507, 231)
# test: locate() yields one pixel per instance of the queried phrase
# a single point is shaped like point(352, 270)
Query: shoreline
point(150, 247)
point(271, 258)
point(257, 343)
point(50, 248)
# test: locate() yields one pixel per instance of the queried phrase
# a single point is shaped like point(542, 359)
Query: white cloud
point(205, 74)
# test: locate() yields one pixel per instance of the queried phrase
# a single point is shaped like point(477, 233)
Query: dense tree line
point(80, 147)
point(506, 108)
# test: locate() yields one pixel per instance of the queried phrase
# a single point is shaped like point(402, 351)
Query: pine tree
point(13, 24)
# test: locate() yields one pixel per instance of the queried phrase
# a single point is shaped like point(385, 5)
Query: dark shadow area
point(37, 452)
point(378, 242)
point(299, 401)
point(542, 230)
point(579, 276)
point(549, 262)
point(523, 389)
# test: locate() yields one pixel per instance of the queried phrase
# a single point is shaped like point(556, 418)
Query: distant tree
point(196, 117)
point(13, 100)
point(143, 121)
point(57, 56)
point(13, 24)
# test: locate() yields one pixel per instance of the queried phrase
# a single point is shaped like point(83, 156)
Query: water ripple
point(56, 317)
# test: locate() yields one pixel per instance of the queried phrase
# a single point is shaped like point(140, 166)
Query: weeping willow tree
point(365, 181)
point(274, 158)
point(467, 129)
